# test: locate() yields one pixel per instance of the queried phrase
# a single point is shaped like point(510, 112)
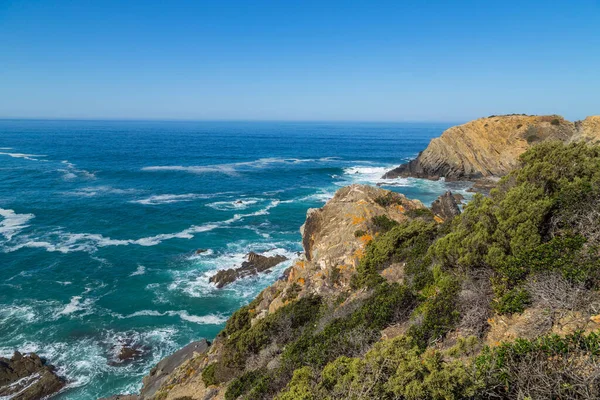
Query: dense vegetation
point(534, 240)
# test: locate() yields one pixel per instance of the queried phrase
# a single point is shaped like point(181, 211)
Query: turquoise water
point(100, 220)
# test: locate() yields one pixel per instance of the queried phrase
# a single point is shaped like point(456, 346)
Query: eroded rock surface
point(256, 263)
point(25, 377)
point(445, 206)
point(490, 147)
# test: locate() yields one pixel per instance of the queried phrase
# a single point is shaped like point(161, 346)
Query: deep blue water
point(100, 220)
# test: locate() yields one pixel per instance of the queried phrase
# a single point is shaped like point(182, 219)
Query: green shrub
point(383, 223)
point(513, 301)
point(243, 384)
point(404, 242)
point(388, 199)
point(437, 314)
point(208, 375)
point(359, 232)
point(555, 121)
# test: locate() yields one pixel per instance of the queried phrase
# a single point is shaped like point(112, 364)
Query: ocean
point(100, 222)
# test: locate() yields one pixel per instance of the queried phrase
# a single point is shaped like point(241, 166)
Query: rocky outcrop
point(490, 147)
point(445, 206)
point(256, 263)
point(25, 377)
point(334, 239)
point(163, 370)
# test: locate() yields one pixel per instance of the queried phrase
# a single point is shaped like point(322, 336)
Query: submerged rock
point(256, 263)
point(445, 206)
point(25, 377)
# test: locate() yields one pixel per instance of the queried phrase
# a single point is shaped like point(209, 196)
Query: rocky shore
point(490, 147)
point(27, 377)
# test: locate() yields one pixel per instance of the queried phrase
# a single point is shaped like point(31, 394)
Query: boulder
point(25, 377)
point(256, 263)
point(445, 206)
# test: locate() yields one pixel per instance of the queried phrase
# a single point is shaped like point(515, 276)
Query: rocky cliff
point(490, 147)
point(393, 300)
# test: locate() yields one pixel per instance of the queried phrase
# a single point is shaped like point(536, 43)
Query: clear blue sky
point(435, 60)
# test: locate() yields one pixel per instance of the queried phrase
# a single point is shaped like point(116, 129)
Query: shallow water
point(100, 220)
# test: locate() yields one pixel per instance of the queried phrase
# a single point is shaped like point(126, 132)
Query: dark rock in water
point(128, 353)
point(256, 263)
point(25, 377)
point(458, 197)
point(122, 397)
point(200, 251)
point(160, 373)
point(239, 202)
point(445, 206)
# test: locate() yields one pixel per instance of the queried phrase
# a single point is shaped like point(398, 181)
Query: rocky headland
point(392, 299)
point(490, 147)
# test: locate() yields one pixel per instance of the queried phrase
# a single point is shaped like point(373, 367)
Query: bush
point(383, 223)
point(551, 367)
point(555, 121)
point(208, 375)
point(438, 314)
point(404, 242)
point(388, 199)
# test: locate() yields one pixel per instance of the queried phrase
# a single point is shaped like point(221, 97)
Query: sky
point(436, 60)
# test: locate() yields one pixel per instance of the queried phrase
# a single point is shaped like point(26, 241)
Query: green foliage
point(383, 223)
point(513, 301)
point(243, 384)
point(388, 199)
point(286, 324)
point(555, 121)
point(392, 369)
point(301, 386)
point(532, 222)
point(292, 292)
point(437, 314)
point(388, 304)
point(548, 367)
point(404, 242)
point(208, 375)
point(424, 213)
point(359, 232)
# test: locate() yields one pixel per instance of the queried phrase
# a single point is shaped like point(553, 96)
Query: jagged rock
point(25, 377)
point(122, 397)
point(490, 147)
point(445, 206)
point(256, 263)
point(200, 251)
point(458, 197)
point(160, 373)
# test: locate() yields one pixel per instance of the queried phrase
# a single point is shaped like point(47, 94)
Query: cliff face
point(490, 147)
point(334, 239)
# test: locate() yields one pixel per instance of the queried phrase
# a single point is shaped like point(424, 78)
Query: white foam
point(233, 169)
point(169, 198)
point(210, 319)
point(76, 305)
point(141, 270)
point(13, 222)
point(92, 191)
point(90, 242)
point(30, 157)
point(72, 172)
point(241, 204)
